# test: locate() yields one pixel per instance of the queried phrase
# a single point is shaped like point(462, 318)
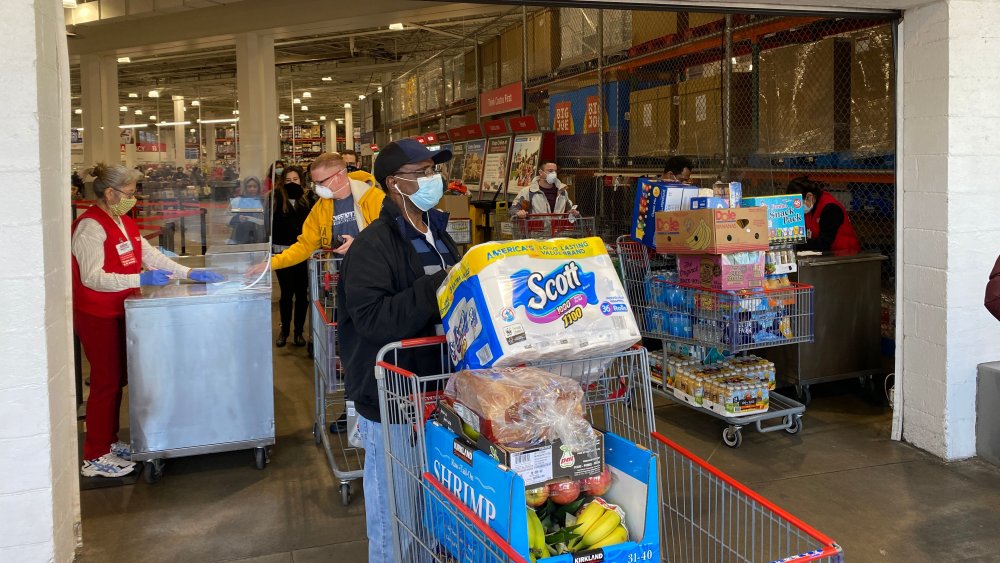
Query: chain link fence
point(759, 99)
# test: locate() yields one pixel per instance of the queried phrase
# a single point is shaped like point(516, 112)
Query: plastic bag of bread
point(521, 406)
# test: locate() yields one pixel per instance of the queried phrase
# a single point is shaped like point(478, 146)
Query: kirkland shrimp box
point(513, 302)
point(712, 231)
point(526, 521)
point(786, 219)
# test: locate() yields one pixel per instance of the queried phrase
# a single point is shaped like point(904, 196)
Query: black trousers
point(294, 284)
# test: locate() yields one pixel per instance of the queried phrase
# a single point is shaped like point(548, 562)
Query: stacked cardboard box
point(698, 19)
point(647, 26)
point(489, 64)
point(651, 116)
point(543, 43)
point(805, 95)
point(512, 54)
point(872, 96)
point(699, 115)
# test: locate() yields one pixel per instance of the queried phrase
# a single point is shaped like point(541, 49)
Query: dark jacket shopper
point(108, 258)
point(827, 225)
point(291, 207)
point(993, 291)
point(387, 292)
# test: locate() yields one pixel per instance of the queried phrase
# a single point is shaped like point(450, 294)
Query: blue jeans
point(407, 494)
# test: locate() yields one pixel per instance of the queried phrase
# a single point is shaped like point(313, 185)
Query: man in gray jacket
point(545, 195)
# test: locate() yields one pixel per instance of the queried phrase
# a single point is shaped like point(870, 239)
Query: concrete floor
point(881, 500)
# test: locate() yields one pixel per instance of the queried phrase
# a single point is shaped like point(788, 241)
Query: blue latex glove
point(206, 276)
point(154, 277)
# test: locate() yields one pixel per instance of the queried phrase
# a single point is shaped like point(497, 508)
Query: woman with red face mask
point(108, 259)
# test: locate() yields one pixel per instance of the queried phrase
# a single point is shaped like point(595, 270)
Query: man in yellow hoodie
point(348, 203)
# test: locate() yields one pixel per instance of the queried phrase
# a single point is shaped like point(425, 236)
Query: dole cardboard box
point(786, 218)
point(497, 495)
point(712, 231)
point(540, 464)
point(725, 272)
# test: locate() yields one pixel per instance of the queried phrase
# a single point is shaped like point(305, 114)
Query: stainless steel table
point(847, 323)
point(199, 363)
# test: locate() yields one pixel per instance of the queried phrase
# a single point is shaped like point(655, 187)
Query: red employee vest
point(121, 256)
point(847, 240)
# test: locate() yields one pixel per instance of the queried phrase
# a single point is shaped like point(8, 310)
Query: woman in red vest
point(827, 225)
point(109, 255)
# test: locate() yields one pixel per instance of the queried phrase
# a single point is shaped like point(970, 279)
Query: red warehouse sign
point(502, 100)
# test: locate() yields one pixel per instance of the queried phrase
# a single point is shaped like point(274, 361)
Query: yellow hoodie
point(316, 231)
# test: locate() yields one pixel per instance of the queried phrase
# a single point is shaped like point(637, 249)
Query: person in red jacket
point(108, 255)
point(828, 227)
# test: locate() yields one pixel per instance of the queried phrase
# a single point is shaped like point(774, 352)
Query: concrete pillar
point(258, 103)
point(349, 126)
point(331, 136)
point(179, 130)
point(99, 102)
point(950, 237)
point(39, 467)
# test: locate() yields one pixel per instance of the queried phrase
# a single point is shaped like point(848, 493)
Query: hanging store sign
point(502, 100)
point(457, 134)
point(495, 127)
point(443, 137)
point(526, 124)
point(592, 117)
point(474, 131)
point(562, 118)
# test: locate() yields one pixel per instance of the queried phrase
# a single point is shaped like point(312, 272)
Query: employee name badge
point(125, 253)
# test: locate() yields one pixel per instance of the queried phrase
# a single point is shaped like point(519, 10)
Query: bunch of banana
point(700, 238)
point(536, 538)
point(599, 526)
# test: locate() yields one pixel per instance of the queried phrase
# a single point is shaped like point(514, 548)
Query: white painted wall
point(951, 125)
point(39, 492)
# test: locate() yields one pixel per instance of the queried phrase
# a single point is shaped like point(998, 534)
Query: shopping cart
point(331, 406)
point(733, 321)
point(707, 516)
point(554, 225)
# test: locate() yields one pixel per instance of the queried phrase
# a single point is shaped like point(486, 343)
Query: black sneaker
point(282, 340)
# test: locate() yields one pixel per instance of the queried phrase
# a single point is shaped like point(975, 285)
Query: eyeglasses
point(429, 171)
point(323, 182)
point(124, 193)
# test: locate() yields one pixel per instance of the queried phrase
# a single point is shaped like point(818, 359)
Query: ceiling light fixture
point(78, 111)
point(233, 120)
point(327, 79)
point(153, 94)
point(172, 123)
point(152, 118)
point(361, 96)
point(379, 89)
point(396, 27)
point(69, 3)
point(133, 126)
point(122, 60)
point(236, 112)
point(138, 112)
point(322, 118)
point(195, 103)
point(340, 120)
point(282, 116)
point(304, 108)
point(296, 101)
point(347, 106)
point(307, 94)
point(123, 108)
point(133, 95)
point(191, 130)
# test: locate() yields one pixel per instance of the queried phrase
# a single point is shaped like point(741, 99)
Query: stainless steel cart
point(334, 413)
point(199, 364)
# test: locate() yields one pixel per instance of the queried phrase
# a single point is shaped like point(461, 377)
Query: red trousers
point(103, 341)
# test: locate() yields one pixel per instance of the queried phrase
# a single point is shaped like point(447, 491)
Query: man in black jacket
point(388, 292)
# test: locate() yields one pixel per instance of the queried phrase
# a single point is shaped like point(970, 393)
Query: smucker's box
point(726, 272)
point(497, 495)
point(712, 231)
point(545, 463)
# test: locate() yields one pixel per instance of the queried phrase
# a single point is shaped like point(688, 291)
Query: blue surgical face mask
point(429, 191)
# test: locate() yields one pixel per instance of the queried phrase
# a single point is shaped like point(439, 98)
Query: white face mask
point(325, 192)
point(551, 178)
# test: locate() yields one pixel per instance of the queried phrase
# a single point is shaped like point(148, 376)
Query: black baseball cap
point(399, 153)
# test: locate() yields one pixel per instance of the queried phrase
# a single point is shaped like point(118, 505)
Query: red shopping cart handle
point(423, 341)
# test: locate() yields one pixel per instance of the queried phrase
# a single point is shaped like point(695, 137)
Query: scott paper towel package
point(512, 302)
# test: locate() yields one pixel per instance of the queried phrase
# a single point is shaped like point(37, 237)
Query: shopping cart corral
point(332, 410)
point(556, 225)
point(702, 515)
point(708, 322)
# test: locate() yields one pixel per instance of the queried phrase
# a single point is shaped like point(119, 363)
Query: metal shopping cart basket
point(554, 225)
point(732, 321)
point(617, 400)
point(330, 426)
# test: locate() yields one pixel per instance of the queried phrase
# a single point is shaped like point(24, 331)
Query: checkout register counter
point(847, 324)
point(199, 362)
